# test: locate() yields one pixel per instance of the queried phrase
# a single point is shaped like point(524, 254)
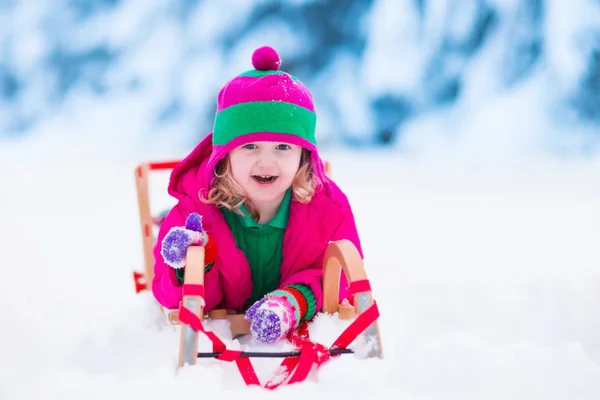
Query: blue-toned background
point(500, 77)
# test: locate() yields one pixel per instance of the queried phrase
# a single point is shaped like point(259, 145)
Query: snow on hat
point(264, 104)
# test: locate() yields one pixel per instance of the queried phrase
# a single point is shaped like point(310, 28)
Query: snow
point(487, 277)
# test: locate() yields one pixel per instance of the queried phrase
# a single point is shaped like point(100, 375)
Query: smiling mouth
point(264, 179)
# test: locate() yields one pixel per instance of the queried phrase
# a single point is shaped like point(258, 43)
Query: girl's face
point(265, 170)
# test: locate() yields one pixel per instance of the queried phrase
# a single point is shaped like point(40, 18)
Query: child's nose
point(265, 159)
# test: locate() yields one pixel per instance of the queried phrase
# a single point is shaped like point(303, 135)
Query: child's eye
point(250, 146)
point(283, 147)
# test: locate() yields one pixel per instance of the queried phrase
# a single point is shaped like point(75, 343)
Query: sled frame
point(339, 255)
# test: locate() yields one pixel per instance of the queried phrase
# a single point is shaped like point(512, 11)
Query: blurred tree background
point(381, 70)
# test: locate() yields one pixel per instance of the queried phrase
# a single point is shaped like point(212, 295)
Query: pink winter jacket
point(228, 283)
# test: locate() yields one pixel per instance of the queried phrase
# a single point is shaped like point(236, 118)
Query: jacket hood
point(196, 169)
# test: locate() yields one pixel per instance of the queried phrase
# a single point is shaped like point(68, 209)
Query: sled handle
point(145, 219)
point(343, 255)
point(142, 185)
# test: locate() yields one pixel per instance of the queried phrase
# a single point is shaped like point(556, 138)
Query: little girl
point(259, 185)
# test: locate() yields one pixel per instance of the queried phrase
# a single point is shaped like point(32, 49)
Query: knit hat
point(264, 104)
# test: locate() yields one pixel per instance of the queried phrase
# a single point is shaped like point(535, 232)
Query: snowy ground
point(487, 278)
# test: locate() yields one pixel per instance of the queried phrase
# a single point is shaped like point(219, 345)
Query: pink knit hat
point(264, 104)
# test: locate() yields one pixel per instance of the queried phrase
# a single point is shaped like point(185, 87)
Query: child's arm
point(275, 315)
point(165, 285)
point(312, 276)
point(300, 296)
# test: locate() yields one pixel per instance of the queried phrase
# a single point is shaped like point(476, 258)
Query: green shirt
point(263, 245)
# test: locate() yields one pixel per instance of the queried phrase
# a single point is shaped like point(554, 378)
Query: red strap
point(193, 290)
point(302, 338)
point(243, 364)
point(315, 353)
point(305, 363)
point(310, 352)
point(140, 283)
point(361, 323)
point(191, 319)
point(360, 286)
point(284, 370)
point(290, 364)
point(229, 355)
point(247, 371)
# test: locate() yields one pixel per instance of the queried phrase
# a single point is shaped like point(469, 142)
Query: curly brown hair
point(226, 192)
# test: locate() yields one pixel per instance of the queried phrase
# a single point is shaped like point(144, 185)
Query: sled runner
point(360, 309)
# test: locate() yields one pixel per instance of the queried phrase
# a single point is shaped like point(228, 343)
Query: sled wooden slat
point(173, 317)
point(238, 324)
point(346, 311)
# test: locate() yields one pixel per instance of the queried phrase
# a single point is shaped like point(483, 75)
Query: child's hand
point(271, 319)
point(178, 239)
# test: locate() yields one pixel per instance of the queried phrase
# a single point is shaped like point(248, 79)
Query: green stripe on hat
point(259, 74)
point(264, 116)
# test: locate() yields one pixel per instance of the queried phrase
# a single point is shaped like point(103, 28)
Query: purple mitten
point(194, 222)
point(178, 239)
point(271, 319)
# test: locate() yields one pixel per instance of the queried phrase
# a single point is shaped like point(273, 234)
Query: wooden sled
point(363, 310)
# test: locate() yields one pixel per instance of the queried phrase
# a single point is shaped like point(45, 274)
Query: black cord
point(259, 354)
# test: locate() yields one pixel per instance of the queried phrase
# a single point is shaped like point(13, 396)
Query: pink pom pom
point(265, 58)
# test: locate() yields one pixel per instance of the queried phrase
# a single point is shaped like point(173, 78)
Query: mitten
point(271, 318)
point(178, 239)
point(279, 312)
